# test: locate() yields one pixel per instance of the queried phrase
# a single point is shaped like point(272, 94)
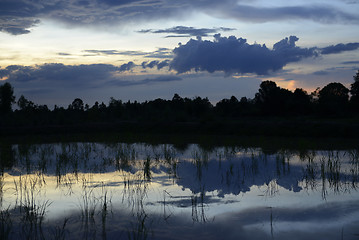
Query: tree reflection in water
point(143, 191)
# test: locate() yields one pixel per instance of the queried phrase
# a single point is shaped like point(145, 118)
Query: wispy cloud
point(159, 53)
point(116, 52)
point(318, 13)
point(183, 31)
point(158, 79)
point(350, 62)
point(63, 54)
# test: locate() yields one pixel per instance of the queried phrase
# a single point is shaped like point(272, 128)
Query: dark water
point(142, 191)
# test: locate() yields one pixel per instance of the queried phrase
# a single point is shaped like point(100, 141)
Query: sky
point(53, 51)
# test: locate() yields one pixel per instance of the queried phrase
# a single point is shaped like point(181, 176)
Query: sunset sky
point(53, 51)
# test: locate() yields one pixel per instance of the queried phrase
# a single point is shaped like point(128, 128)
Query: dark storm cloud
point(235, 55)
point(183, 31)
point(18, 16)
point(340, 48)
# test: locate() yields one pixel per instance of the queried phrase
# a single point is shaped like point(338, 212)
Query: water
point(142, 191)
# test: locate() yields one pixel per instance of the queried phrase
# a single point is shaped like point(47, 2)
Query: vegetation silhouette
point(6, 98)
point(273, 111)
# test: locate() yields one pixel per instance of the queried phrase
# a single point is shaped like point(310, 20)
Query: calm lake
point(96, 190)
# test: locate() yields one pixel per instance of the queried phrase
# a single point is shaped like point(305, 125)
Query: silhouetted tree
point(272, 99)
point(24, 104)
point(228, 107)
point(354, 91)
point(301, 102)
point(333, 98)
point(7, 97)
point(77, 104)
point(178, 106)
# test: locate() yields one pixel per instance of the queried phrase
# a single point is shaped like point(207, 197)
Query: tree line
point(271, 100)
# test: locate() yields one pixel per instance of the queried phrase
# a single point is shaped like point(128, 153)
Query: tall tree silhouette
point(354, 91)
point(7, 97)
point(272, 99)
point(77, 104)
point(301, 102)
point(24, 104)
point(333, 98)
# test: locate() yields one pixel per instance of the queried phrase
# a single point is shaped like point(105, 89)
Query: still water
point(141, 191)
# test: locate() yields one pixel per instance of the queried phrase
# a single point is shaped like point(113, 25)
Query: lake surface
point(86, 190)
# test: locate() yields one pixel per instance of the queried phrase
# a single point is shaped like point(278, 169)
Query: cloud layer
point(19, 16)
point(340, 48)
point(62, 74)
point(183, 31)
point(235, 55)
point(159, 53)
point(55, 75)
point(318, 13)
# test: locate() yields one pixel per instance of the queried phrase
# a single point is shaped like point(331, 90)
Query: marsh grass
point(125, 154)
point(354, 170)
point(59, 232)
point(88, 202)
point(200, 159)
point(139, 229)
point(5, 224)
point(135, 192)
point(32, 209)
point(2, 185)
point(147, 169)
point(199, 207)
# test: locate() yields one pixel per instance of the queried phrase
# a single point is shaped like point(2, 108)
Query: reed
point(59, 232)
point(5, 224)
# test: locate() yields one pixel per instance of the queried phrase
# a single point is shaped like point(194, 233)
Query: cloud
point(183, 31)
point(19, 16)
point(235, 55)
point(159, 79)
point(340, 48)
point(155, 63)
point(60, 74)
point(63, 54)
point(321, 72)
point(126, 67)
point(350, 62)
point(317, 13)
point(116, 52)
point(52, 77)
point(159, 53)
